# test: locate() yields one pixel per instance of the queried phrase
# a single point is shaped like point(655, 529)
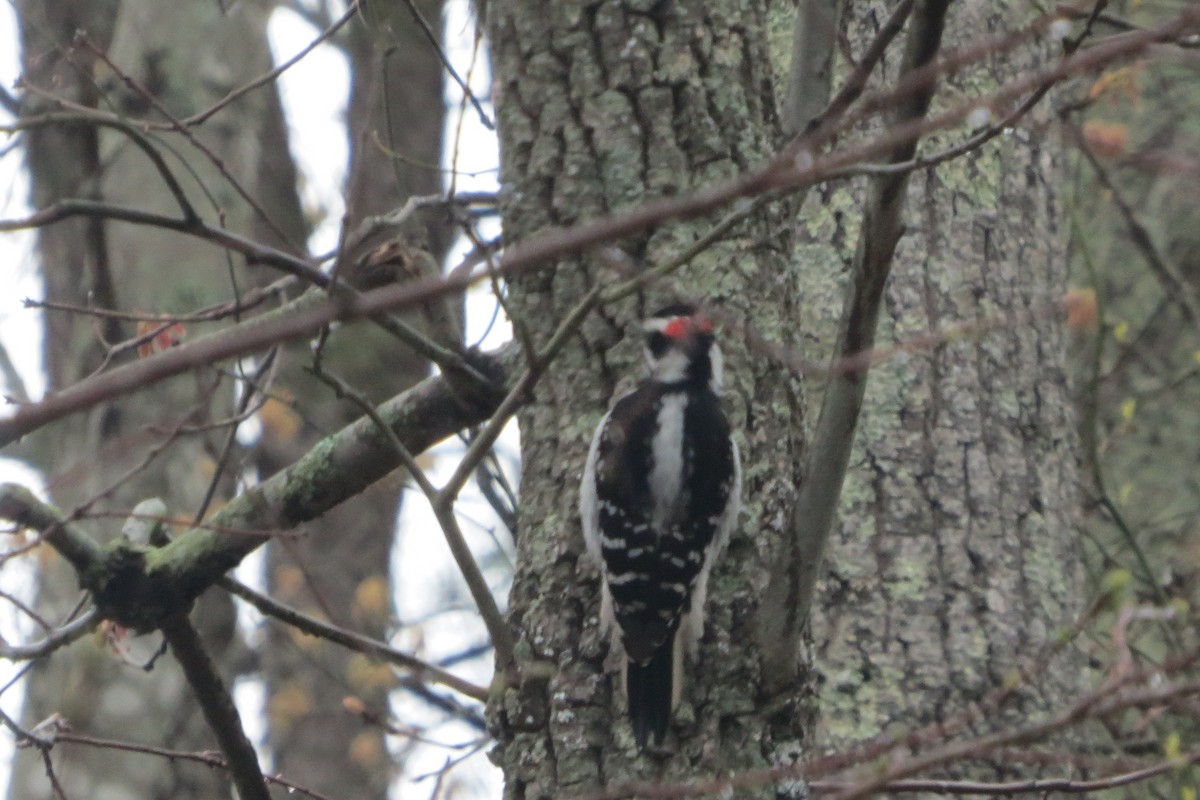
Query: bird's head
point(681, 347)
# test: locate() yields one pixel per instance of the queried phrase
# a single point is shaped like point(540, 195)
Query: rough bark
point(599, 108)
point(188, 56)
point(955, 556)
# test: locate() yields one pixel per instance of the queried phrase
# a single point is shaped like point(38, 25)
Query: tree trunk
point(600, 110)
point(187, 56)
point(953, 558)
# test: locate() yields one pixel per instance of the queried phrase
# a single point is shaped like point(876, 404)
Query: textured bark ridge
point(954, 559)
point(600, 108)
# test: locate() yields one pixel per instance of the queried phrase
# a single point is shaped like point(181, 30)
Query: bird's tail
point(651, 689)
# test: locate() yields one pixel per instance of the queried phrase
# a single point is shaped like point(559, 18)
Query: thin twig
point(421, 670)
point(249, 301)
point(60, 637)
point(255, 252)
point(436, 44)
point(481, 593)
point(207, 758)
point(269, 364)
point(1039, 786)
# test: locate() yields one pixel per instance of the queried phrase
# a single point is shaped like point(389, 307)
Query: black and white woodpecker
point(660, 496)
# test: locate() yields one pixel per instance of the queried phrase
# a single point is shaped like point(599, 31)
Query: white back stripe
point(666, 454)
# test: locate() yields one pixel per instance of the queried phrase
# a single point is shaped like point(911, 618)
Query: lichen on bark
point(602, 107)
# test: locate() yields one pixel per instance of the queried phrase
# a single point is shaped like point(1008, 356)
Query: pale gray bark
point(599, 110)
point(953, 557)
point(189, 56)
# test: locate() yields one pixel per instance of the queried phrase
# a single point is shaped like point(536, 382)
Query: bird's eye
point(657, 343)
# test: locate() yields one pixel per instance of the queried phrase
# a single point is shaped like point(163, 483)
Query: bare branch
point(250, 299)
point(254, 252)
point(139, 587)
point(19, 505)
point(305, 315)
point(421, 670)
point(811, 72)
point(208, 759)
point(1040, 786)
point(217, 706)
point(481, 593)
point(56, 639)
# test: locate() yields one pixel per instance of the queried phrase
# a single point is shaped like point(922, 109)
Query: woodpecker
point(660, 495)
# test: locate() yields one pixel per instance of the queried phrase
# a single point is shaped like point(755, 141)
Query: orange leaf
point(163, 339)
point(1117, 84)
point(372, 598)
point(1082, 310)
point(279, 421)
point(366, 749)
point(1106, 139)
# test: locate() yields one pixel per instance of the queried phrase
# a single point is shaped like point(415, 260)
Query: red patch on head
point(677, 328)
point(704, 324)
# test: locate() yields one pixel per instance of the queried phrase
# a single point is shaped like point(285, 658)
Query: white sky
point(314, 94)
point(23, 342)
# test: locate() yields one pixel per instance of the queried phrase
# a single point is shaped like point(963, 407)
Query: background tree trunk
point(341, 566)
point(187, 55)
